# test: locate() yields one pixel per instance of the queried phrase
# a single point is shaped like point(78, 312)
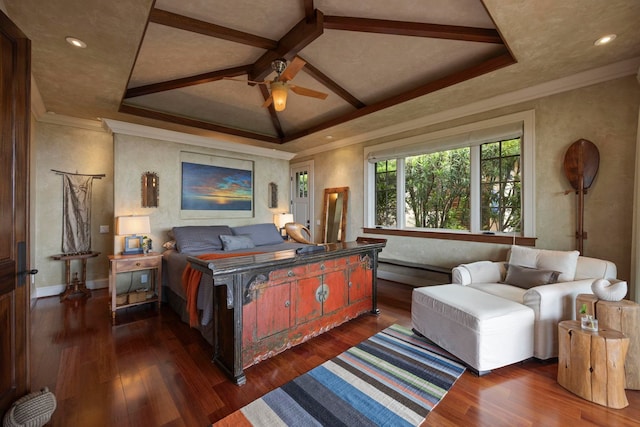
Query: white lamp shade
point(281, 219)
point(134, 224)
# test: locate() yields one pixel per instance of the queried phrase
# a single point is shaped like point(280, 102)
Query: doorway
point(15, 74)
point(301, 175)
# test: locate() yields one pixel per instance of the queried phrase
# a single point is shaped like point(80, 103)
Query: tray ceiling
point(159, 63)
point(366, 56)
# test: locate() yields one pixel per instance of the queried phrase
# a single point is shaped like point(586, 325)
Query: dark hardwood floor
point(152, 370)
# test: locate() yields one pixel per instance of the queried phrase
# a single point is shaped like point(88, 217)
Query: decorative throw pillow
point(564, 262)
point(523, 256)
point(232, 243)
point(526, 277)
point(199, 239)
point(261, 234)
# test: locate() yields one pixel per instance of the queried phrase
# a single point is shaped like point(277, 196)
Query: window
point(437, 190)
point(386, 193)
point(500, 186)
point(467, 179)
point(302, 184)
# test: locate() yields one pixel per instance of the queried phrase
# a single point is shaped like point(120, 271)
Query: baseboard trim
point(55, 290)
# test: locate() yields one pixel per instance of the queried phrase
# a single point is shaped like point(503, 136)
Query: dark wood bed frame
point(264, 304)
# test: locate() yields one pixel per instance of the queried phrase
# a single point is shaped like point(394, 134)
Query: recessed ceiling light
point(329, 137)
point(605, 39)
point(76, 42)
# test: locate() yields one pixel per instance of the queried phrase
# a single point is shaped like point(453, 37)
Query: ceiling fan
point(281, 84)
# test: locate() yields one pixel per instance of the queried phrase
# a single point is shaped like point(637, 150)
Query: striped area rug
point(394, 378)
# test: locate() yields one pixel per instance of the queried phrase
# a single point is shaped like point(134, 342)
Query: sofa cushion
point(260, 234)
point(593, 267)
point(199, 239)
point(526, 277)
point(233, 243)
point(562, 261)
point(478, 272)
point(502, 290)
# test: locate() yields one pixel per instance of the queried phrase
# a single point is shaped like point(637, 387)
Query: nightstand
point(128, 263)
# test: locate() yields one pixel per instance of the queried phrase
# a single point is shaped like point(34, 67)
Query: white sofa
point(465, 323)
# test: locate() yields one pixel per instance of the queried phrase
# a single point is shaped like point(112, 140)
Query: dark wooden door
point(15, 54)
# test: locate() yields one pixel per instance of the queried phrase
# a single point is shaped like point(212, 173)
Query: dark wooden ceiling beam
point(309, 9)
point(332, 85)
point(450, 80)
point(166, 117)
point(272, 111)
point(300, 36)
point(170, 19)
point(187, 81)
point(416, 29)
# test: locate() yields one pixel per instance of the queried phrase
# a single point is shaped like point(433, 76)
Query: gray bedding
point(174, 261)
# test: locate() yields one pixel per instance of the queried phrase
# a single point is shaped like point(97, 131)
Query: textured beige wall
point(72, 150)
point(341, 168)
point(605, 114)
point(135, 155)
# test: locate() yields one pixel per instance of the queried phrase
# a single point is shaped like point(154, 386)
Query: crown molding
point(62, 120)
point(126, 128)
point(575, 81)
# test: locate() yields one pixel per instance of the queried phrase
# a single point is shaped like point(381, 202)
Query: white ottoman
point(485, 331)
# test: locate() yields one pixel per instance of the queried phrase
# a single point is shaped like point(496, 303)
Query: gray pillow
point(198, 239)
point(261, 234)
point(526, 277)
point(232, 243)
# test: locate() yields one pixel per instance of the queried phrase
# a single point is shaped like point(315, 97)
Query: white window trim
point(527, 118)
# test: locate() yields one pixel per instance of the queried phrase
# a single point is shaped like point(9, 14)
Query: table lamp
point(130, 227)
point(280, 220)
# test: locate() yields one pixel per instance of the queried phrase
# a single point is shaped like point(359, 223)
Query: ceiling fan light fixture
point(279, 94)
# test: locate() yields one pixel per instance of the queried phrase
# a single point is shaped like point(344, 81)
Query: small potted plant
point(586, 320)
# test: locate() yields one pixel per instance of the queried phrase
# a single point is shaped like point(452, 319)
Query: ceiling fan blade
point(267, 102)
point(308, 92)
point(246, 81)
point(294, 67)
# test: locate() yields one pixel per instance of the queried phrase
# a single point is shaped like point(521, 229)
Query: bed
point(266, 303)
point(211, 242)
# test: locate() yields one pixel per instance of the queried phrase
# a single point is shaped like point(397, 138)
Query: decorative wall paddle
point(581, 163)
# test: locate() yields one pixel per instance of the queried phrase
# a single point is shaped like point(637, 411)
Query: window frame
point(440, 141)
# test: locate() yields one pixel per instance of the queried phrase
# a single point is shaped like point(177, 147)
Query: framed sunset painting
point(215, 187)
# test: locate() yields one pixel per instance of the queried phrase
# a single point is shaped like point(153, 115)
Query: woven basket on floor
point(33, 410)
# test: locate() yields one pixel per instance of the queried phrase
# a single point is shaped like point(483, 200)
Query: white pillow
point(564, 262)
point(523, 256)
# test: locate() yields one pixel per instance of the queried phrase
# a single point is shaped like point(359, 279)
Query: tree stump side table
point(591, 364)
point(623, 316)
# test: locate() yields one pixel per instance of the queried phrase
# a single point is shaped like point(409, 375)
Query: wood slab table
point(623, 316)
point(591, 363)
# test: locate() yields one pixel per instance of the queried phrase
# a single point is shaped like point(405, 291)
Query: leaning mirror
point(334, 214)
point(150, 187)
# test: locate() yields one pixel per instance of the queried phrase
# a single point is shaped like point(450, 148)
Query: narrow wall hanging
point(581, 163)
point(76, 211)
